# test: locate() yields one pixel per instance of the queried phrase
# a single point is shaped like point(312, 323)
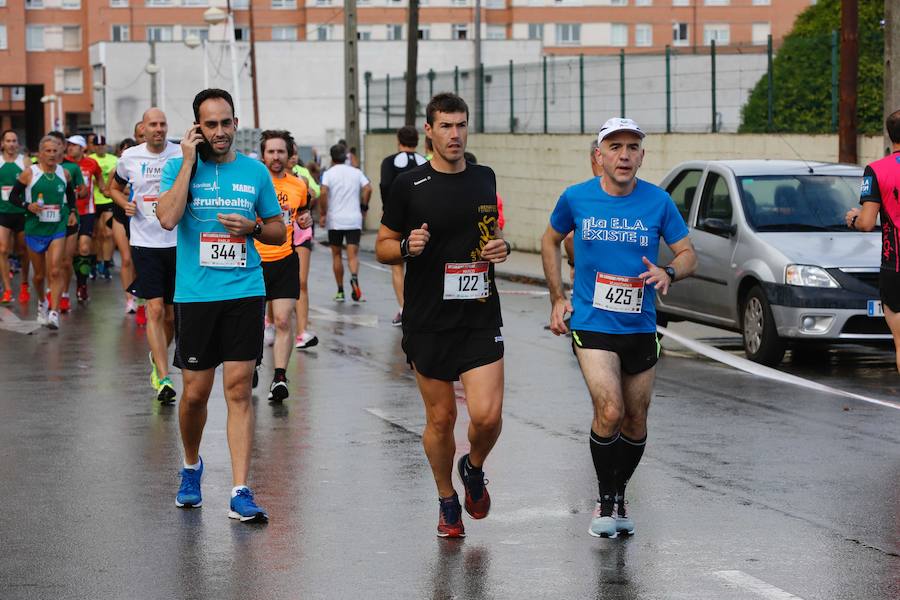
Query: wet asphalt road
point(749, 488)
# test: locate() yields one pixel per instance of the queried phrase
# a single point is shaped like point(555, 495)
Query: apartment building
point(46, 66)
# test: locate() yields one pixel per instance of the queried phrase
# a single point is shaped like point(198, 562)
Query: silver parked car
point(775, 258)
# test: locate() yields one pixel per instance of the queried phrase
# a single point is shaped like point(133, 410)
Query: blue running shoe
point(189, 492)
point(245, 509)
point(603, 524)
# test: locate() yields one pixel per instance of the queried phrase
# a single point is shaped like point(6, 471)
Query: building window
point(618, 35)
point(766, 2)
point(73, 82)
point(718, 32)
point(160, 33)
point(496, 32)
point(242, 34)
point(201, 33)
point(195, 2)
point(495, 4)
point(424, 32)
point(681, 2)
point(121, 33)
point(284, 33)
point(323, 2)
point(52, 37)
point(643, 2)
point(34, 4)
point(278, 4)
point(458, 2)
point(618, 2)
point(568, 34)
point(460, 31)
point(536, 31)
point(395, 32)
point(680, 34)
point(324, 33)
point(118, 3)
point(363, 34)
point(71, 4)
point(153, 3)
point(761, 33)
point(34, 38)
point(240, 4)
point(643, 35)
point(716, 2)
point(3, 41)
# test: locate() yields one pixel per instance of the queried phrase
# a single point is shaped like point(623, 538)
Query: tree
point(802, 73)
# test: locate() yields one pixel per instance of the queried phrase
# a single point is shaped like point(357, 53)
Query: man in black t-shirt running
point(442, 221)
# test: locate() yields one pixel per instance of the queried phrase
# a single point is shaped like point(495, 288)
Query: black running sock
point(628, 453)
point(469, 466)
point(354, 278)
point(603, 454)
point(93, 258)
point(108, 264)
point(280, 375)
point(340, 289)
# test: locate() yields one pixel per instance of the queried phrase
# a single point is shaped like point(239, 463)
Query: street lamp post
point(215, 16)
point(192, 41)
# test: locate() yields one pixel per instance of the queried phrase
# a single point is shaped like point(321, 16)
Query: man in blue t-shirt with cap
point(618, 221)
point(216, 197)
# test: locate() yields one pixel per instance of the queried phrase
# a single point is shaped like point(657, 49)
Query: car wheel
point(761, 341)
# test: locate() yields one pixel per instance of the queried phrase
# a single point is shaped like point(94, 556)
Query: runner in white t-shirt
point(344, 198)
point(152, 247)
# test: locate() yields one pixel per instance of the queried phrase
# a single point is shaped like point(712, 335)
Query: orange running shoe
point(140, 317)
point(7, 297)
point(450, 523)
point(24, 294)
point(64, 304)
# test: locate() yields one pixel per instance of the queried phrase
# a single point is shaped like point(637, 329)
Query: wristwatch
point(404, 249)
point(257, 229)
point(670, 271)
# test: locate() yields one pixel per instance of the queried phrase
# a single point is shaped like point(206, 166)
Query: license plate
point(874, 308)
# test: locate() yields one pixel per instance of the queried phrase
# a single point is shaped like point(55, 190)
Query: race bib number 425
point(618, 294)
point(466, 281)
point(223, 250)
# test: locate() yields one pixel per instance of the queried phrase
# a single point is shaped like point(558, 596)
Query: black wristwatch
point(257, 229)
point(404, 249)
point(670, 271)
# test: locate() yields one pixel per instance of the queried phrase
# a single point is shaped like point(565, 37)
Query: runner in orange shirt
point(281, 266)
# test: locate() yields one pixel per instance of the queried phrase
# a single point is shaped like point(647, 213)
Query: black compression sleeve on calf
point(628, 453)
point(603, 455)
point(17, 195)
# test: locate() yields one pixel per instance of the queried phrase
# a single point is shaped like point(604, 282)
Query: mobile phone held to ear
point(203, 148)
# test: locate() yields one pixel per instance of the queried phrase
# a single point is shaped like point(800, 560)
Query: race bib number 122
point(466, 281)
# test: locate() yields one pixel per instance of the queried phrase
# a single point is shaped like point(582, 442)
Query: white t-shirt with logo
point(142, 169)
point(344, 186)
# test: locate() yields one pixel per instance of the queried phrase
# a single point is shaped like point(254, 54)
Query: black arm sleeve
point(70, 195)
point(387, 178)
point(122, 182)
point(17, 195)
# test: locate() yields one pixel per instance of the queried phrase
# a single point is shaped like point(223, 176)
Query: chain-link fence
point(680, 90)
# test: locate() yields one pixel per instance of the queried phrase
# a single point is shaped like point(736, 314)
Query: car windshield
point(799, 202)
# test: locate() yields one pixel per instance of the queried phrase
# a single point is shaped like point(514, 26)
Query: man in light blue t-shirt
point(214, 196)
point(618, 221)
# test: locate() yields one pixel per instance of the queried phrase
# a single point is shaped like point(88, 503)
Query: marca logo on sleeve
point(865, 188)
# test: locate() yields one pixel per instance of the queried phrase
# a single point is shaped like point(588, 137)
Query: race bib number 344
point(618, 294)
point(466, 281)
point(223, 250)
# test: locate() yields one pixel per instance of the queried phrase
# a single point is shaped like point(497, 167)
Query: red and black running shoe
point(478, 501)
point(450, 523)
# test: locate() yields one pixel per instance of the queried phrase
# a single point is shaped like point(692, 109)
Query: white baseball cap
point(616, 125)
point(78, 140)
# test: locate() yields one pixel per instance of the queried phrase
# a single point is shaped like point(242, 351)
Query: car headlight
point(807, 276)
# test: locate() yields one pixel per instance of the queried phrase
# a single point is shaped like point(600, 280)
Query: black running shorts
point(282, 277)
point(445, 355)
point(13, 222)
point(86, 225)
point(889, 286)
point(210, 333)
point(155, 271)
point(336, 237)
point(637, 351)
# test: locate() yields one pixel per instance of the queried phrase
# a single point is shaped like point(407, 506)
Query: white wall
point(301, 84)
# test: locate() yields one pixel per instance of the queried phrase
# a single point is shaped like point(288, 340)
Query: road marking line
point(326, 314)
point(753, 368)
point(757, 586)
point(524, 292)
point(404, 424)
point(376, 267)
point(11, 322)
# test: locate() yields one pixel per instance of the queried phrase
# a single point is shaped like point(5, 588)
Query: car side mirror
point(719, 226)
